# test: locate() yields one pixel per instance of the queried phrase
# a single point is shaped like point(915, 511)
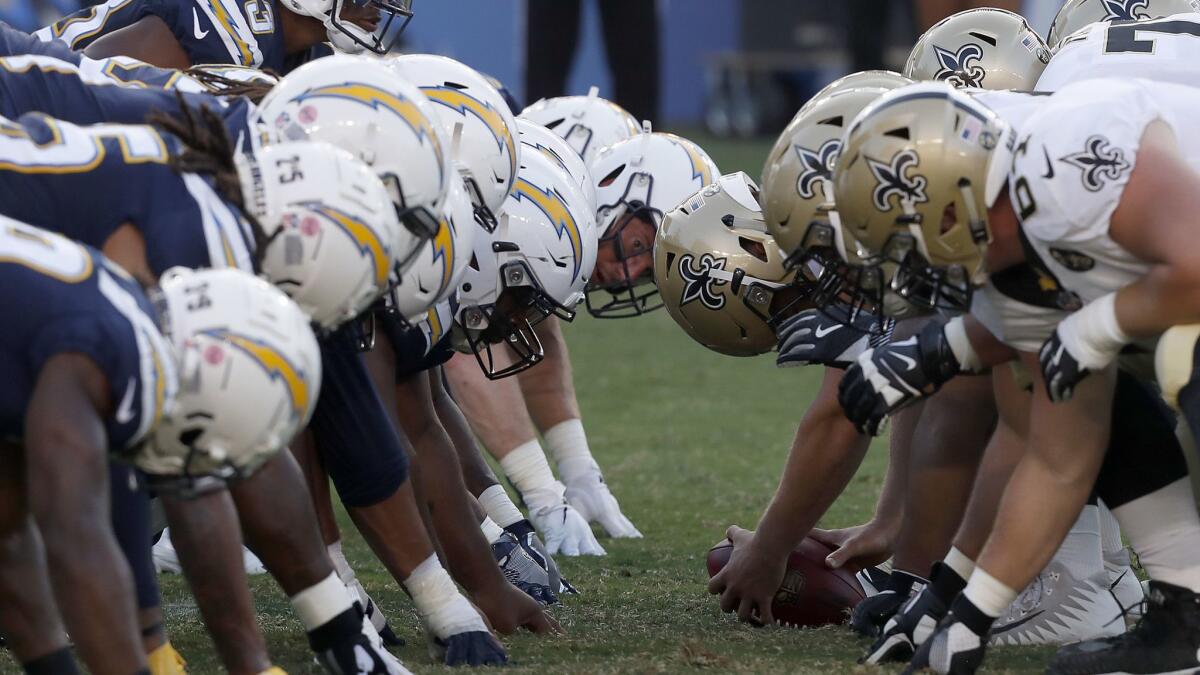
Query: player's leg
point(549, 392)
point(206, 535)
point(67, 482)
point(369, 467)
point(438, 484)
point(30, 621)
point(551, 32)
point(1042, 501)
point(498, 416)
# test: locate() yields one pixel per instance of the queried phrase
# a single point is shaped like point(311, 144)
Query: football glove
point(830, 337)
point(361, 654)
point(887, 378)
point(522, 569)
point(590, 496)
point(565, 531)
point(523, 531)
point(1084, 342)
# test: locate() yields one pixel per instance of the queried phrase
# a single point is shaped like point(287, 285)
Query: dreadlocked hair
point(208, 150)
point(227, 86)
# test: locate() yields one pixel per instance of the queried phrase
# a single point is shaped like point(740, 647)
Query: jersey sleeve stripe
point(85, 25)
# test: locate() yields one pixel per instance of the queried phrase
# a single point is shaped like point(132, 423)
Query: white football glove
point(562, 528)
point(590, 496)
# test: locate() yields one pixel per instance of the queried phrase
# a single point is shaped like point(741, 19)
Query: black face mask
point(385, 37)
point(946, 288)
point(842, 291)
point(630, 295)
point(521, 305)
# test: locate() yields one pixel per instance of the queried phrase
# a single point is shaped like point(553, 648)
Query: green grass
point(690, 442)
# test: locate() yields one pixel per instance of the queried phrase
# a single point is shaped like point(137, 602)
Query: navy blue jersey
point(425, 344)
point(86, 181)
point(85, 93)
point(58, 296)
point(209, 31)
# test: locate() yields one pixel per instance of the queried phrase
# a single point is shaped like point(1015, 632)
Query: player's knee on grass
point(353, 434)
point(1144, 455)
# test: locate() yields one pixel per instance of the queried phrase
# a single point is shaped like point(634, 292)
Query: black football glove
point(830, 336)
point(522, 569)
point(1061, 370)
point(887, 378)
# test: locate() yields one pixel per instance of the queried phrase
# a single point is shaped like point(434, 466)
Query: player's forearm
point(548, 387)
point(825, 454)
point(1168, 296)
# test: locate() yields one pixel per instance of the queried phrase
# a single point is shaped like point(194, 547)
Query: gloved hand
point(589, 494)
point(829, 336)
point(363, 654)
point(1084, 342)
point(523, 570)
point(565, 531)
point(887, 378)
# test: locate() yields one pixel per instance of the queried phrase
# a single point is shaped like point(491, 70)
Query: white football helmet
point(587, 123)
point(647, 176)
point(537, 138)
point(440, 265)
point(350, 37)
point(536, 263)
point(486, 152)
point(332, 236)
point(361, 106)
point(249, 374)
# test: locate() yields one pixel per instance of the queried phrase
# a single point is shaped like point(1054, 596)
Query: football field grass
point(690, 442)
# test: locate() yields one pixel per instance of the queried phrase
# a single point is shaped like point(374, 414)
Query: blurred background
point(732, 68)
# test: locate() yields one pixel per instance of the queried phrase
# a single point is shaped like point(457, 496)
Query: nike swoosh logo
point(1049, 165)
point(200, 34)
point(1018, 624)
point(125, 410)
point(822, 331)
point(909, 362)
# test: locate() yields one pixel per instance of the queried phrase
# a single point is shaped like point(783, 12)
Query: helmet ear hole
point(188, 437)
point(612, 176)
point(754, 248)
point(670, 264)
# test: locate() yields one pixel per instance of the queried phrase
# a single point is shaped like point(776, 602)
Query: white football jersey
point(1073, 159)
point(1166, 49)
point(1012, 106)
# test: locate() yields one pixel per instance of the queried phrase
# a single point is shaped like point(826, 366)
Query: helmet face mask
point(632, 294)
point(351, 38)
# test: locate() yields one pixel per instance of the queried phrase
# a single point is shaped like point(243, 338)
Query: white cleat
point(1056, 608)
point(166, 559)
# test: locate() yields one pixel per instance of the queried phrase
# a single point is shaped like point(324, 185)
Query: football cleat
point(166, 559)
point(873, 579)
point(522, 569)
point(1165, 640)
point(1057, 608)
point(1124, 585)
point(958, 644)
point(908, 629)
point(869, 616)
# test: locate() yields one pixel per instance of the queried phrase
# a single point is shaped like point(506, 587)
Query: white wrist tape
point(956, 336)
point(491, 531)
point(443, 610)
point(499, 507)
point(568, 445)
point(322, 601)
point(1092, 334)
point(527, 468)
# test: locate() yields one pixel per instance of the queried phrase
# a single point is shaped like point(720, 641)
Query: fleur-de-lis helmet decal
point(960, 67)
point(817, 166)
point(892, 179)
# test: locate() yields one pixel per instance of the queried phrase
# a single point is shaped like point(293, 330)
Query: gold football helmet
point(797, 195)
point(985, 48)
point(720, 273)
point(1078, 14)
point(917, 172)
point(885, 79)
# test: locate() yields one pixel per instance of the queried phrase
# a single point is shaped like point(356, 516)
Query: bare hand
point(508, 609)
point(859, 546)
point(748, 583)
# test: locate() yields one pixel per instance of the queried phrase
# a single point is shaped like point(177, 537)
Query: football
point(811, 593)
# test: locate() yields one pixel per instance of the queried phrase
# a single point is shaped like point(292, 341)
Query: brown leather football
point(811, 593)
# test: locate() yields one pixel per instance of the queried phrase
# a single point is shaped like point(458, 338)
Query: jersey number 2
point(1122, 38)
